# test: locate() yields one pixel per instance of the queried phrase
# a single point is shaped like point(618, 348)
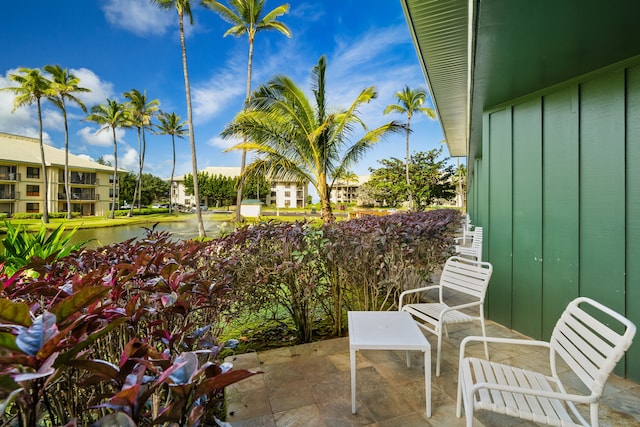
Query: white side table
point(387, 330)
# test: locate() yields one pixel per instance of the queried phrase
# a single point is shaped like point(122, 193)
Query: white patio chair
point(467, 229)
point(582, 339)
point(475, 249)
point(462, 276)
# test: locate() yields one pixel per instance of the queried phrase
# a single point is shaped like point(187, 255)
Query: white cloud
point(221, 143)
point(101, 139)
point(141, 17)
point(100, 89)
point(215, 96)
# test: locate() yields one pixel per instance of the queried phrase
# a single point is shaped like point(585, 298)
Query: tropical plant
point(110, 115)
point(410, 102)
point(302, 142)
point(65, 86)
point(121, 335)
point(139, 113)
point(248, 17)
point(20, 246)
point(183, 7)
point(171, 124)
point(32, 87)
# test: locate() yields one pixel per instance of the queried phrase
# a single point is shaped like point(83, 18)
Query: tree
point(432, 180)
point(110, 115)
point(300, 141)
point(32, 87)
point(460, 179)
point(409, 102)
point(170, 124)
point(247, 17)
point(139, 114)
point(183, 7)
point(65, 85)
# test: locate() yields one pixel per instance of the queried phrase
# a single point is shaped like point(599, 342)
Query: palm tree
point(139, 112)
point(32, 87)
point(183, 7)
point(170, 124)
point(111, 115)
point(300, 141)
point(65, 85)
point(247, 17)
point(410, 101)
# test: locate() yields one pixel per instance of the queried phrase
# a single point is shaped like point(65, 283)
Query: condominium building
point(346, 190)
point(22, 179)
point(283, 194)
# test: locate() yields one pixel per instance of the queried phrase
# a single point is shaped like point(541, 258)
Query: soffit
point(519, 47)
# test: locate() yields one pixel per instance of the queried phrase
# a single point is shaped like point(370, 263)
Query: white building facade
point(22, 179)
point(282, 195)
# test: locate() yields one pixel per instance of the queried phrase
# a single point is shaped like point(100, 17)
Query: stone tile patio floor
point(309, 385)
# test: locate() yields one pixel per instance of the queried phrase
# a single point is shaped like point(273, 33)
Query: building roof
point(477, 54)
point(22, 149)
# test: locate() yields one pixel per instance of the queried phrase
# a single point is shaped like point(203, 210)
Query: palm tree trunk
point(135, 190)
point(112, 215)
point(325, 203)
point(67, 187)
point(409, 192)
point(45, 210)
point(173, 168)
point(192, 141)
point(243, 161)
point(144, 150)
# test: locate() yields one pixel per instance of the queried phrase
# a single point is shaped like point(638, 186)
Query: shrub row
point(127, 334)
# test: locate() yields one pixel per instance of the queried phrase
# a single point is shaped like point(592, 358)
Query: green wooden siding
point(559, 204)
point(499, 239)
point(558, 192)
point(633, 214)
point(602, 195)
point(527, 217)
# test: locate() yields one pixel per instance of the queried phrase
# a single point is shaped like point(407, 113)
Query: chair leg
point(459, 396)
point(438, 354)
point(484, 333)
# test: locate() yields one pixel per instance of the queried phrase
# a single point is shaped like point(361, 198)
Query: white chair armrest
point(577, 398)
point(498, 340)
point(413, 291)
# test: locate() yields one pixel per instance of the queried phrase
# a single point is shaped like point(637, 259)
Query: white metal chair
point(467, 229)
point(475, 249)
point(582, 339)
point(466, 277)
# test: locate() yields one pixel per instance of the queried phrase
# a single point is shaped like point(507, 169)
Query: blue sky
point(114, 46)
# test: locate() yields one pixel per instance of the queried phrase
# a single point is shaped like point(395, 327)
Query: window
point(33, 190)
point(33, 172)
point(111, 193)
point(33, 207)
point(111, 179)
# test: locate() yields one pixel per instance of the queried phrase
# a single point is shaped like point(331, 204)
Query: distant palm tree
point(111, 115)
point(299, 140)
point(248, 17)
point(65, 85)
point(139, 113)
point(410, 101)
point(33, 86)
point(183, 7)
point(170, 124)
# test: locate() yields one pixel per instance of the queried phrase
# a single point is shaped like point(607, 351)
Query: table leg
point(427, 381)
point(353, 381)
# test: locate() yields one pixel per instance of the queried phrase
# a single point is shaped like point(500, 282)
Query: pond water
point(179, 230)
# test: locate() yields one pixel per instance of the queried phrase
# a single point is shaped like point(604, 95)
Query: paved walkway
point(309, 385)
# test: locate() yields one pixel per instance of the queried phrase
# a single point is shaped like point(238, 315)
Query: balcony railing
point(78, 196)
point(7, 195)
point(10, 176)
